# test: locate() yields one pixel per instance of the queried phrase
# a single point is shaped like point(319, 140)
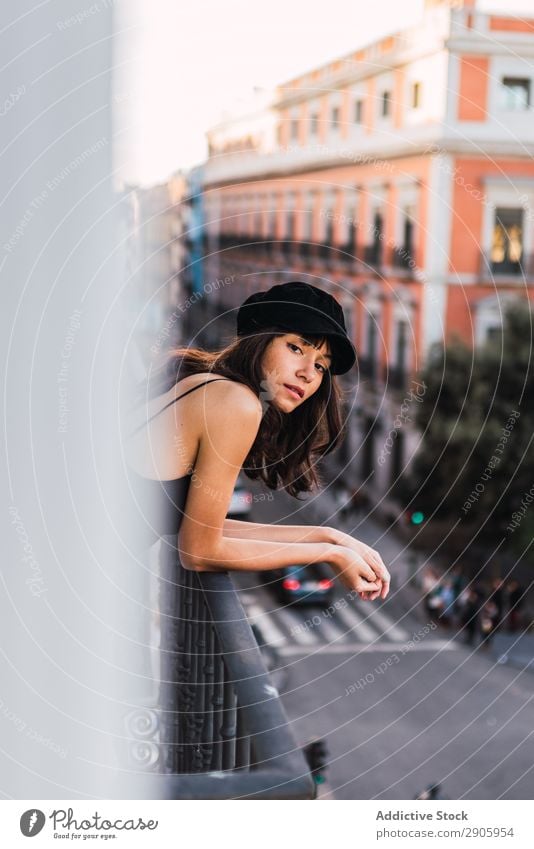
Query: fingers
point(373, 560)
point(369, 596)
point(368, 586)
point(380, 570)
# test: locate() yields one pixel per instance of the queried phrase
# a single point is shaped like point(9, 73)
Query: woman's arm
point(233, 528)
point(202, 543)
point(257, 555)
point(279, 533)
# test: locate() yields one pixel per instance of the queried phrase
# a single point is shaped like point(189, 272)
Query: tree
point(476, 456)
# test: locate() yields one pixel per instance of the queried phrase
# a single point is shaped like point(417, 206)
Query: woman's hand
point(371, 558)
point(354, 571)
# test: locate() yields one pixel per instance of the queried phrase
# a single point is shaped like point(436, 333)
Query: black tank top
point(158, 504)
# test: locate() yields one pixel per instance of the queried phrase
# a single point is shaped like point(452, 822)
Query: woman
point(267, 403)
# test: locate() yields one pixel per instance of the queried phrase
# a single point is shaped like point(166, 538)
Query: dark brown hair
point(287, 445)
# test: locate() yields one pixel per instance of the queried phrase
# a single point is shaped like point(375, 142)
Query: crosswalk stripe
point(354, 622)
point(349, 625)
point(359, 648)
point(332, 632)
point(265, 623)
point(299, 631)
point(388, 627)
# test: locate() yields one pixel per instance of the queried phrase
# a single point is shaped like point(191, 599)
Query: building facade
point(401, 179)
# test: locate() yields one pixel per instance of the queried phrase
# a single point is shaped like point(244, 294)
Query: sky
point(181, 64)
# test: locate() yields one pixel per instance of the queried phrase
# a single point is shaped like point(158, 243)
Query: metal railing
point(372, 255)
point(221, 731)
point(522, 268)
point(402, 257)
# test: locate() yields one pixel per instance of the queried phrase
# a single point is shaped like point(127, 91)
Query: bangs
point(317, 341)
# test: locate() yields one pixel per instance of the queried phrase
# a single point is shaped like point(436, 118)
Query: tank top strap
point(174, 400)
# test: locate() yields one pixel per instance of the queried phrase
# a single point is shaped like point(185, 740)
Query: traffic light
point(316, 754)
point(417, 517)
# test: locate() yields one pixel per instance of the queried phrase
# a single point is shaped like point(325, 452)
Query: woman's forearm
point(233, 528)
point(236, 554)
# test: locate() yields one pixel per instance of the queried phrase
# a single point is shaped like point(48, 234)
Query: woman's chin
point(285, 405)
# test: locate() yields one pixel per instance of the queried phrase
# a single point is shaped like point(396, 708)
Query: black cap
point(299, 307)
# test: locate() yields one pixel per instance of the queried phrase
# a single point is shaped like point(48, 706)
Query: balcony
point(507, 269)
point(395, 377)
point(219, 730)
point(402, 258)
point(368, 369)
point(348, 255)
point(256, 245)
point(373, 255)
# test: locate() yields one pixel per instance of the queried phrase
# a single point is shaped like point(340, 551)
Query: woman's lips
point(293, 392)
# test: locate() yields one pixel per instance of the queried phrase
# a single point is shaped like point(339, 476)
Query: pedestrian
point(434, 604)
point(470, 612)
point(497, 596)
point(276, 410)
point(430, 588)
point(447, 603)
point(515, 597)
point(459, 583)
point(488, 622)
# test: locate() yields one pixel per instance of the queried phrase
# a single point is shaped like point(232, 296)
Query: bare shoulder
point(227, 419)
point(229, 396)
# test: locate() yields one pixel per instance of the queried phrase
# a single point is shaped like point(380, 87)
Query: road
point(401, 705)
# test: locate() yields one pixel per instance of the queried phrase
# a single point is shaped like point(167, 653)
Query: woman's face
point(293, 370)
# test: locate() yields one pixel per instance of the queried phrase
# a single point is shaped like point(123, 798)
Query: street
point(401, 704)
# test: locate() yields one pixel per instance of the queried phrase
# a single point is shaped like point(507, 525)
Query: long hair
point(287, 445)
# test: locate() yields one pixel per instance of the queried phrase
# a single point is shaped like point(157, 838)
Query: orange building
point(401, 179)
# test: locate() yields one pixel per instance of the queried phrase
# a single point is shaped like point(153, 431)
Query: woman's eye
point(292, 345)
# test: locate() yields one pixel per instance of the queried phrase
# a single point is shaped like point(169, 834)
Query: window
point(507, 241)
point(488, 313)
point(376, 247)
point(403, 254)
point(515, 93)
point(290, 226)
point(335, 118)
point(350, 245)
point(279, 134)
point(386, 103)
point(272, 223)
point(494, 334)
point(294, 129)
point(401, 346)
point(358, 112)
point(416, 95)
point(329, 228)
point(308, 224)
point(408, 235)
point(372, 323)
point(314, 124)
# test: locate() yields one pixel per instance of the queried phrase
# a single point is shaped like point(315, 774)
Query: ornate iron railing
point(221, 731)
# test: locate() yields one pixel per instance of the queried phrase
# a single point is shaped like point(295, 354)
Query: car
point(306, 584)
point(240, 502)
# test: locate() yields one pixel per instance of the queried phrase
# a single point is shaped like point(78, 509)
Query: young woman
point(268, 403)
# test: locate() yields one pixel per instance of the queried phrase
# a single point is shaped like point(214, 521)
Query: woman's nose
point(307, 370)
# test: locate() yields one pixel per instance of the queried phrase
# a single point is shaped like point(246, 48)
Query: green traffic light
point(417, 517)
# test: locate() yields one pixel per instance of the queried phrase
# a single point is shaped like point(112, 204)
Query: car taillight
point(324, 584)
point(291, 584)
